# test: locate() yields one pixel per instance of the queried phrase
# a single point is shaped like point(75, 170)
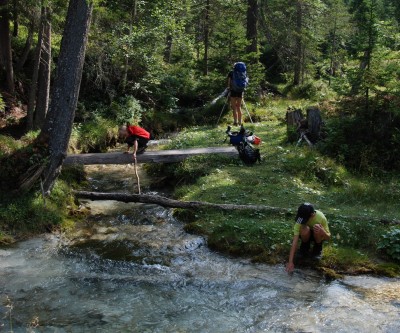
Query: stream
point(132, 268)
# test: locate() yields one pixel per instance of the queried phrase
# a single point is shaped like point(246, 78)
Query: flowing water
point(132, 268)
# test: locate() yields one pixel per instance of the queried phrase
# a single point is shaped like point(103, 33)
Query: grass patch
point(30, 214)
point(287, 176)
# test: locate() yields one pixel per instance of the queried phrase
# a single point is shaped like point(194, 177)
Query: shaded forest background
point(161, 62)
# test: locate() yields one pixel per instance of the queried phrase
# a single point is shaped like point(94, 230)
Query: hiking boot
point(317, 249)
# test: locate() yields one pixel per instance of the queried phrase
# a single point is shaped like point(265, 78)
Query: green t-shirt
point(318, 218)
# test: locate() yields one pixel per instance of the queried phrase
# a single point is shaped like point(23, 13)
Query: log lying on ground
point(159, 156)
point(171, 203)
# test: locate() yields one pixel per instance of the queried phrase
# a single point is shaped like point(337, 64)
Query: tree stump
point(299, 128)
point(293, 119)
point(315, 123)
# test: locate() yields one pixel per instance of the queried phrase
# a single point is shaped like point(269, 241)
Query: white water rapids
point(132, 268)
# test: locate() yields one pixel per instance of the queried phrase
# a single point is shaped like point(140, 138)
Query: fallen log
point(159, 156)
point(171, 203)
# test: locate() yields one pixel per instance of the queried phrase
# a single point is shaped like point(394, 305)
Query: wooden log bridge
point(159, 156)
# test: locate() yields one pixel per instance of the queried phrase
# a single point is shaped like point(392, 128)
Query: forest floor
point(12, 122)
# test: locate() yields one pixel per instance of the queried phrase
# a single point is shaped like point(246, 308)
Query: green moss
point(30, 213)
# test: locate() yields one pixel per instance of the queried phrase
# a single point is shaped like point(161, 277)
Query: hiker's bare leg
point(305, 233)
point(237, 113)
point(232, 100)
point(239, 110)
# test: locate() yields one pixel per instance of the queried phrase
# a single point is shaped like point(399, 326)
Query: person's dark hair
point(304, 213)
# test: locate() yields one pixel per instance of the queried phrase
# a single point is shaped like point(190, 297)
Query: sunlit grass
point(288, 176)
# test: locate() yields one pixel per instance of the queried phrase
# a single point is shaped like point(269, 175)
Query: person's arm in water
point(290, 264)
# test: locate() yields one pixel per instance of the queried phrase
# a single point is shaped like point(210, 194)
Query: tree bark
point(35, 74)
point(293, 119)
point(206, 36)
point(168, 48)
point(43, 92)
point(15, 18)
point(58, 125)
point(314, 123)
point(28, 44)
point(171, 203)
point(251, 30)
point(161, 156)
point(5, 46)
point(298, 58)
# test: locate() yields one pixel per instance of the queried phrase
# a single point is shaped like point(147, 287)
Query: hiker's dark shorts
point(142, 142)
point(236, 94)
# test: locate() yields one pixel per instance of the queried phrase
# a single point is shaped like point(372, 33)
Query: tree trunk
point(171, 203)
point(251, 31)
point(314, 120)
point(298, 68)
point(35, 74)
point(168, 48)
point(206, 36)
point(58, 124)
point(27, 48)
point(15, 18)
point(160, 156)
point(42, 103)
point(5, 46)
point(293, 119)
point(133, 19)
point(332, 69)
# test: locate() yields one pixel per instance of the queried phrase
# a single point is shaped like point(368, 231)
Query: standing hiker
point(237, 82)
point(136, 137)
point(311, 226)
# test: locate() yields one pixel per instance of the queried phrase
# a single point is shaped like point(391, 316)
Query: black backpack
point(247, 153)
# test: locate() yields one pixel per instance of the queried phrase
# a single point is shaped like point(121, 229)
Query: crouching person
point(311, 227)
point(136, 137)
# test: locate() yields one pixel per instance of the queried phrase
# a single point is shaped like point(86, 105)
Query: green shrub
point(2, 104)
point(390, 243)
point(364, 141)
point(30, 214)
point(126, 109)
point(96, 135)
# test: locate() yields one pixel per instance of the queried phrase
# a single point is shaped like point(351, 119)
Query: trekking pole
point(247, 110)
point(223, 108)
point(303, 136)
point(137, 175)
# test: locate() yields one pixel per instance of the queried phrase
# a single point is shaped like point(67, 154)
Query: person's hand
point(318, 230)
point(134, 156)
point(290, 267)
